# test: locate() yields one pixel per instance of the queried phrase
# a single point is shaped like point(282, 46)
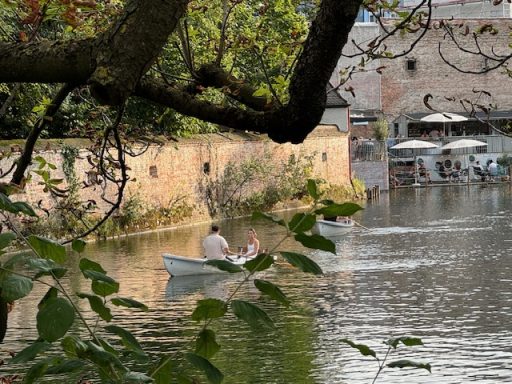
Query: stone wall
point(174, 171)
point(403, 90)
point(372, 173)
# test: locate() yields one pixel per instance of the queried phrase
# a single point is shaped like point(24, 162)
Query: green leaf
point(405, 340)
point(7, 205)
point(51, 294)
point(251, 314)
point(316, 242)
point(86, 264)
point(129, 303)
point(107, 346)
point(271, 290)
point(78, 246)
point(312, 189)
point(206, 345)
point(163, 372)
point(60, 366)
point(15, 287)
point(97, 306)
point(46, 267)
point(409, 364)
point(102, 284)
point(265, 216)
point(19, 258)
point(212, 373)
point(30, 352)
point(128, 340)
point(6, 239)
point(363, 349)
point(73, 346)
point(302, 222)
point(55, 319)
point(35, 372)
point(22, 207)
point(209, 309)
point(224, 265)
point(48, 249)
point(345, 209)
point(304, 263)
point(259, 263)
point(101, 357)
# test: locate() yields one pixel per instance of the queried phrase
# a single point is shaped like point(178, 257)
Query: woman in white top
point(253, 244)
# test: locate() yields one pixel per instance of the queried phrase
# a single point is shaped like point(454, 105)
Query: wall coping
point(48, 145)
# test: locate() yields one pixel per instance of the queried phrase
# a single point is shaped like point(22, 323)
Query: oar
point(360, 225)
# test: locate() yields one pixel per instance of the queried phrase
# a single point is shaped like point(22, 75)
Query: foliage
point(258, 183)
point(504, 160)
point(126, 360)
point(392, 344)
point(359, 186)
point(260, 43)
point(381, 129)
point(342, 192)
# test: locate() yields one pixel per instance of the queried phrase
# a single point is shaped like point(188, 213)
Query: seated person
point(215, 246)
point(479, 171)
point(422, 172)
point(343, 219)
point(253, 245)
point(444, 172)
point(493, 169)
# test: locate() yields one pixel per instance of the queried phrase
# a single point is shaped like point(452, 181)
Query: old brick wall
point(403, 90)
point(372, 173)
point(176, 171)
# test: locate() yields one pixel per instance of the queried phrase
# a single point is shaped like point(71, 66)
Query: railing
point(495, 144)
point(368, 150)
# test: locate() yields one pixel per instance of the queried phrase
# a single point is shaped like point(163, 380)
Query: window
point(324, 156)
point(153, 171)
point(411, 65)
point(206, 168)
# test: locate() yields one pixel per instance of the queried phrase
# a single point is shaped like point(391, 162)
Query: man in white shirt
point(493, 170)
point(215, 246)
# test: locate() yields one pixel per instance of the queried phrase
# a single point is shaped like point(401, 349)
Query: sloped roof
point(334, 100)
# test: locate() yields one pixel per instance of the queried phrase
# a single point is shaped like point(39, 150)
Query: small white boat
point(186, 266)
point(328, 228)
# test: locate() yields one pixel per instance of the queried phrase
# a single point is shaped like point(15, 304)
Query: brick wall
point(164, 173)
point(403, 90)
point(372, 173)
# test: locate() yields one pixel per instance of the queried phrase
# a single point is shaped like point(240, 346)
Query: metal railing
point(368, 150)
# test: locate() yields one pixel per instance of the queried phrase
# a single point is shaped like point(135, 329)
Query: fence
point(368, 150)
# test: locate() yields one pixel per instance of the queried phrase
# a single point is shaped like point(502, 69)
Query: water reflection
point(434, 264)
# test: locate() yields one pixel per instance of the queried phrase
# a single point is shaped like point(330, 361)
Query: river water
point(435, 263)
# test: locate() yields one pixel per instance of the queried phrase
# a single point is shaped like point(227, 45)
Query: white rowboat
point(186, 266)
point(332, 228)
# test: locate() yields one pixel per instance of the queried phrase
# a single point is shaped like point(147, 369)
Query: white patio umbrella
point(415, 144)
point(443, 117)
point(464, 143)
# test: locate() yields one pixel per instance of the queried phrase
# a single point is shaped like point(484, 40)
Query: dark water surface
point(435, 264)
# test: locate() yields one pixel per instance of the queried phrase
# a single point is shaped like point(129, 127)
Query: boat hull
point(332, 228)
point(186, 266)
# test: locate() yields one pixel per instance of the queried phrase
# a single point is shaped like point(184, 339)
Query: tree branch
point(26, 157)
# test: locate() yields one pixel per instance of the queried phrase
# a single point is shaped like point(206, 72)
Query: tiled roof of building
point(334, 99)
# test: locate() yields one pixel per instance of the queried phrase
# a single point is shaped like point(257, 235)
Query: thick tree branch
point(46, 62)
point(131, 46)
point(210, 75)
